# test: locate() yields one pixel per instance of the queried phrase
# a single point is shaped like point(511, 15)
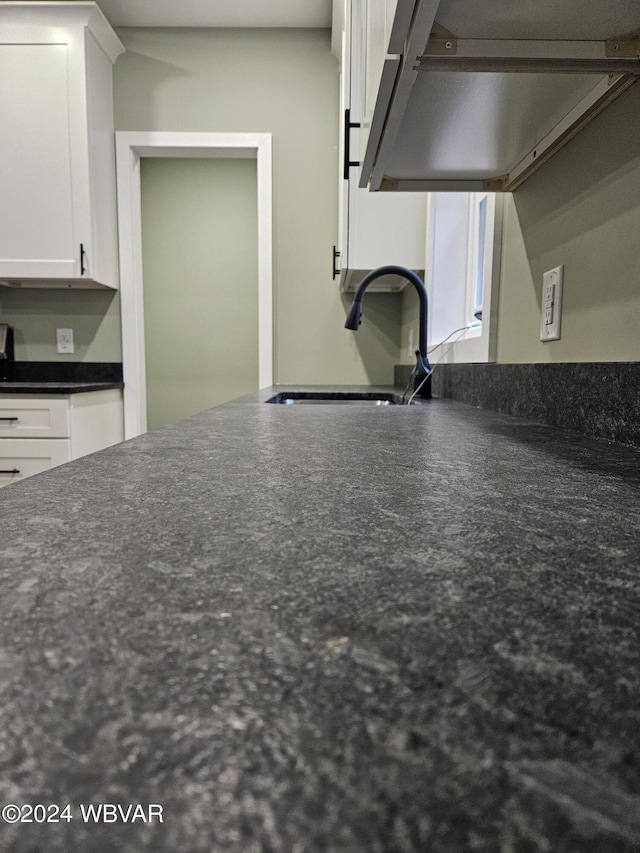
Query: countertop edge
point(57, 387)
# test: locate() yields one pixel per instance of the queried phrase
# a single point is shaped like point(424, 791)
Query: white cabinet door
point(34, 417)
point(22, 458)
point(376, 30)
point(97, 421)
point(57, 162)
point(37, 236)
point(375, 228)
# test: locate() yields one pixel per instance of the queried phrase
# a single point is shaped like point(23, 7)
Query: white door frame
point(130, 147)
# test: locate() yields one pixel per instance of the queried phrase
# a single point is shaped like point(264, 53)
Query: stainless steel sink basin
point(374, 398)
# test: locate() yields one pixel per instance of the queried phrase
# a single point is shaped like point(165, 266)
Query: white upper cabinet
point(476, 96)
point(58, 223)
point(381, 228)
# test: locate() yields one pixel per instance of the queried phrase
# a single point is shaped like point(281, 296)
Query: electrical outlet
point(410, 347)
point(64, 338)
point(551, 304)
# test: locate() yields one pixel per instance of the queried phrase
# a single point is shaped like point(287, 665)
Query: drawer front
point(23, 458)
point(35, 417)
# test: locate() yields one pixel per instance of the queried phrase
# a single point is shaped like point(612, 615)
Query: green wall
point(200, 261)
point(581, 209)
point(94, 316)
point(283, 82)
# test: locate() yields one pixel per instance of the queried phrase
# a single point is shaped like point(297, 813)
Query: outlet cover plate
point(551, 314)
point(64, 340)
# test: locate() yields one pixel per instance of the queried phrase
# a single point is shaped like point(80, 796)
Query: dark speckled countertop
point(326, 628)
point(45, 388)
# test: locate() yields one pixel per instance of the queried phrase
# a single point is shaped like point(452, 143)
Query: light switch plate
point(64, 339)
point(551, 313)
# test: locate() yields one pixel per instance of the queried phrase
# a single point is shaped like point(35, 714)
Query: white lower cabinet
point(24, 457)
point(40, 432)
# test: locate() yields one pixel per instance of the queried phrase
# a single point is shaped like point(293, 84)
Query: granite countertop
point(61, 377)
point(326, 628)
point(56, 387)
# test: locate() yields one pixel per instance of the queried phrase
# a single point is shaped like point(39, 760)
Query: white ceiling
point(217, 13)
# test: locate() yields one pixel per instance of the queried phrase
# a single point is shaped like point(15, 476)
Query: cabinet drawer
point(23, 458)
point(24, 417)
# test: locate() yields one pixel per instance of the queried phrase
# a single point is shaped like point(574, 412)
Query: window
point(462, 273)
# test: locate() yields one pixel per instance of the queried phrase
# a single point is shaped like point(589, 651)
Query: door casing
point(131, 146)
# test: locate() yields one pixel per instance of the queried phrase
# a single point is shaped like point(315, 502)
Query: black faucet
point(422, 371)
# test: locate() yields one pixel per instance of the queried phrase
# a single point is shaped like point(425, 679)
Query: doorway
point(199, 248)
point(131, 146)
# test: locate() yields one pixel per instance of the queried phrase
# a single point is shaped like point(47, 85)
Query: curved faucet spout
point(354, 319)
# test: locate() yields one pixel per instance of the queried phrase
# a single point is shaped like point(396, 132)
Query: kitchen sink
point(374, 398)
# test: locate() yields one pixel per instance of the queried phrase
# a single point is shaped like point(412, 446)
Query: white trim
point(130, 147)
